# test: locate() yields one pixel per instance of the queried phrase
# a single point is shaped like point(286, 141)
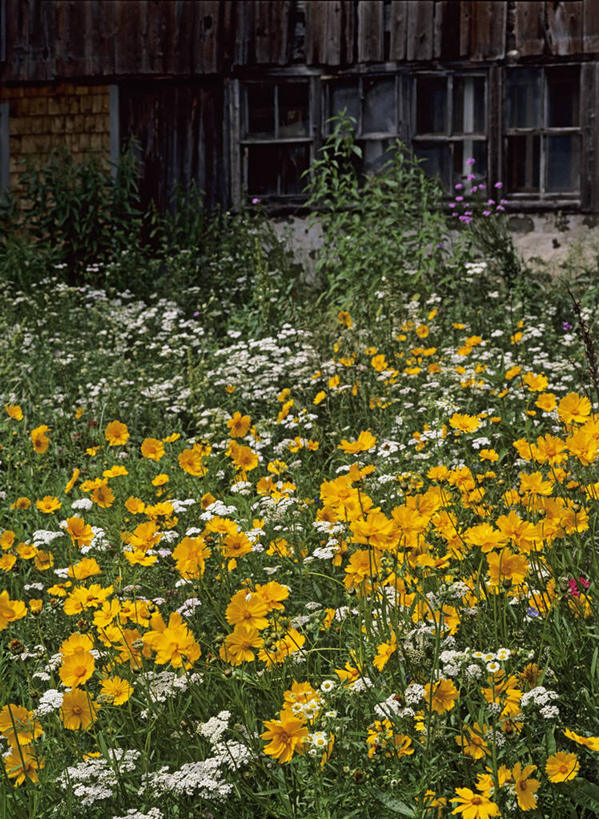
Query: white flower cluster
point(543, 698)
point(413, 694)
point(216, 726)
point(133, 813)
point(162, 685)
point(95, 779)
point(51, 700)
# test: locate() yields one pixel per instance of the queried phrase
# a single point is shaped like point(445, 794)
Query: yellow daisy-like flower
point(21, 763)
point(48, 504)
point(441, 695)
point(116, 690)
point(464, 423)
point(562, 767)
point(592, 743)
point(287, 735)
point(473, 805)
point(14, 411)
point(78, 710)
point(39, 439)
point(152, 448)
point(116, 433)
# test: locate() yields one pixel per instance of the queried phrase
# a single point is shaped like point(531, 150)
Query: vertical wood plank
point(371, 47)
point(529, 28)
point(326, 31)
point(244, 30)
point(446, 35)
point(589, 99)
point(564, 27)
point(483, 29)
point(495, 138)
point(590, 27)
point(421, 16)
point(398, 22)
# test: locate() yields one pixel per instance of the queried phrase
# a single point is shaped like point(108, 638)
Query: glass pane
point(260, 110)
point(436, 160)
point(431, 105)
point(375, 153)
point(469, 105)
point(293, 109)
point(379, 106)
point(563, 101)
point(524, 98)
point(345, 96)
point(262, 171)
point(563, 163)
point(292, 161)
point(523, 162)
point(464, 150)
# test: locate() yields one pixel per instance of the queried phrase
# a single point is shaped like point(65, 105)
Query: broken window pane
point(262, 170)
point(468, 105)
point(563, 102)
point(345, 96)
point(431, 101)
point(436, 160)
point(524, 98)
point(379, 105)
point(563, 163)
point(260, 110)
point(293, 109)
point(375, 153)
point(523, 163)
point(292, 160)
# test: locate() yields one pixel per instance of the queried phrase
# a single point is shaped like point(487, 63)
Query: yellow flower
point(365, 441)
point(160, 480)
point(116, 433)
point(72, 481)
point(14, 411)
point(589, 742)
point(192, 462)
point(344, 318)
point(116, 690)
point(78, 710)
point(287, 735)
point(21, 503)
point(48, 504)
point(39, 439)
point(81, 532)
point(573, 408)
point(524, 787)
point(546, 401)
point(10, 610)
point(239, 425)
point(464, 423)
point(76, 669)
point(87, 567)
point(562, 767)
point(152, 448)
point(238, 645)
point(18, 726)
point(249, 608)
point(103, 495)
point(473, 805)
point(21, 763)
point(441, 696)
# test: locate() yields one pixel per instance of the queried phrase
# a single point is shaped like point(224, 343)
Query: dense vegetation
point(277, 551)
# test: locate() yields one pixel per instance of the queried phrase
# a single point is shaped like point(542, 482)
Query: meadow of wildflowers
point(340, 565)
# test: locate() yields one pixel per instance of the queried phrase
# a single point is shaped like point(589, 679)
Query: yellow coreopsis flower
point(464, 423)
point(14, 411)
point(10, 610)
point(116, 433)
point(78, 710)
point(441, 695)
point(76, 669)
point(152, 448)
point(22, 763)
point(116, 690)
point(562, 767)
point(48, 504)
point(39, 439)
point(365, 441)
point(237, 647)
point(18, 726)
point(525, 788)
point(287, 735)
point(473, 805)
point(589, 742)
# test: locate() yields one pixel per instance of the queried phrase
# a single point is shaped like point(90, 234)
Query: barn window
point(276, 142)
point(543, 131)
point(373, 101)
point(450, 125)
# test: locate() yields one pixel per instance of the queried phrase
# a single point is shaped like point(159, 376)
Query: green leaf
point(586, 793)
point(395, 805)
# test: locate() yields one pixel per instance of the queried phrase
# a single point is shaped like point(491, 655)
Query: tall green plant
point(388, 224)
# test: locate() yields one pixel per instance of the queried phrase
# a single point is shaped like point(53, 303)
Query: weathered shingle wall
point(72, 39)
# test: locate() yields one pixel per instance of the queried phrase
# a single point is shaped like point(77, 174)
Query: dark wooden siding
point(73, 39)
point(179, 128)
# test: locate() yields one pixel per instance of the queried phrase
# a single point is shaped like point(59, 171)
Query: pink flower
point(470, 161)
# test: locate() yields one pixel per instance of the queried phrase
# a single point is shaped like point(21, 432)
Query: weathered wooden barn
point(236, 94)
